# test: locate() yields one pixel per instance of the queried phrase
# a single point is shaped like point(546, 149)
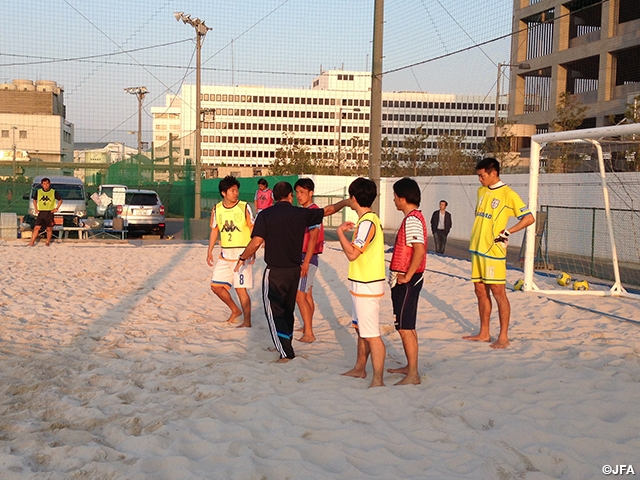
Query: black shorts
point(405, 302)
point(45, 219)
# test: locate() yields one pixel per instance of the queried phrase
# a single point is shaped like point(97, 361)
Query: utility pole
point(201, 31)
point(375, 125)
point(139, 92)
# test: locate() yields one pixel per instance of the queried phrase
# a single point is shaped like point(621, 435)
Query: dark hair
point(281, 190)
point(446, 204)
point(364, 191)
point(305, 183)
point(227, 182)
point(45, 179)
point(408, 189)
point(262, 181)
point(488, 165)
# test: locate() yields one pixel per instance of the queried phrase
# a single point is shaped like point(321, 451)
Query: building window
point(5, 133)
point(23, 134)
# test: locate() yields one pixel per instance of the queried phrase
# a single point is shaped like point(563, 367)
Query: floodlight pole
point(375, 123)
point(201, 31)
point(139, 92)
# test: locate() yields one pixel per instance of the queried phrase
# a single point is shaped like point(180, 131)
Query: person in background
point(488, 246)
point(311, 248)
point(406, 274)
point(232, 220)
point(263, 197)
point(47, 202)
point(440, 226)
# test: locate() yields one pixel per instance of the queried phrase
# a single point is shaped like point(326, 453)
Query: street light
point(340, 131)
point(521, 66)
point(139, 92)
point(201, 31)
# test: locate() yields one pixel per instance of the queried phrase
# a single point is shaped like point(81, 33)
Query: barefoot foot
point(500, 344)
point(477, 338)
point(244, 325)
point(357, 373)
point(307, 338)
point(410, 380)
point(401, 371)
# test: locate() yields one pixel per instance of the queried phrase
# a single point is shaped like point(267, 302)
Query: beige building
point(243, 126)
point(588, 48)
point(33, 122)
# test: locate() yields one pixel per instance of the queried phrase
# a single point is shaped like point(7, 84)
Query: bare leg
point(224, 295)
point(360, 369)
point(378, 352)
point(306, 312)
point(245, 303)
point(484, 309)
point(410, 371)
point(49, 235)
point(34, 235)
point(504, 313)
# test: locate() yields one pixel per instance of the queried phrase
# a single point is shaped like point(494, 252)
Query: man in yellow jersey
point(489, 238)
point(232, 220)
point(367, 277)
point(47, 202)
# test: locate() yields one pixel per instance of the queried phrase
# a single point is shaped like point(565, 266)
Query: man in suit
point(440, 226)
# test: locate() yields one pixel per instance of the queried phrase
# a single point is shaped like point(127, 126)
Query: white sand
point(115, 363)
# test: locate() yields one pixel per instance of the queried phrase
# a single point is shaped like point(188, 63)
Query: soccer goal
point(585, 190)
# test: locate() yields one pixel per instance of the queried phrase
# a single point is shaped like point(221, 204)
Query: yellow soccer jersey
point(494, 207)
point(234, 223)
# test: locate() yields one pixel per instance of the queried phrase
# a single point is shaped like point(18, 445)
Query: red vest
point(402, 252)
point(320, 243)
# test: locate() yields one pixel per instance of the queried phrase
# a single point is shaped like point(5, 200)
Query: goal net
point(585, 188)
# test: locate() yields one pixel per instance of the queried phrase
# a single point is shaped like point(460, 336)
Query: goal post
point(582, 228)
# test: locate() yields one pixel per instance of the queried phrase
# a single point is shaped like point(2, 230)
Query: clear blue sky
point(95, 49)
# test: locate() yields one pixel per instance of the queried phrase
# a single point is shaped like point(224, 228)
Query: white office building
point(243, 126)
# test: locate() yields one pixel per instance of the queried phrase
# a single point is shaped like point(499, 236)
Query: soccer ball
point(518, 285)
point(581, 285)
point(563, 279)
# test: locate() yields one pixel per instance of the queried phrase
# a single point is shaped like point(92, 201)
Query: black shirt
point(282, 227)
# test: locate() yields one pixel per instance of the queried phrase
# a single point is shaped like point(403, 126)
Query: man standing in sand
point(406, 274)
point(489, 239)
point(47, 202)
point(281, 228)
point(232, 220)
point(367, 276)
point(440, 226)
point(312, 247)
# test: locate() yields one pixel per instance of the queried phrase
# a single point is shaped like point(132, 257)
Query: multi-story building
point(589, 48)
point(33, 124)
point(243, 126)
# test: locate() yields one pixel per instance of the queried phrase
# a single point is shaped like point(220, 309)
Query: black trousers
point(441, 240)
point(279, 288)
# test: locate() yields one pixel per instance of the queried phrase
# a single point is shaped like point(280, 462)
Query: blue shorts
point(404, 297)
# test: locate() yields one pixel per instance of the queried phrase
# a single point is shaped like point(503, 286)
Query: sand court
point(116, 362)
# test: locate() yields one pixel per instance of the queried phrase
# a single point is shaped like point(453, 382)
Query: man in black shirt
point(281, 227)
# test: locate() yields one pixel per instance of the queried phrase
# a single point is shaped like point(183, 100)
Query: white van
point(74, 199)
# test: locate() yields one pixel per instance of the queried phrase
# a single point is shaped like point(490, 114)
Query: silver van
point(74, 199)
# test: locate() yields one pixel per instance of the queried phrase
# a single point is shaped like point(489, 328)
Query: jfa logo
point(494, 203)
point(618, 470)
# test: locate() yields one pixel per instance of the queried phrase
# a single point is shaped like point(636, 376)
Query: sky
point(95, 49)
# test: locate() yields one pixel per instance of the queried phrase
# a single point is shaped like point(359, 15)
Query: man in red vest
point(406, 274)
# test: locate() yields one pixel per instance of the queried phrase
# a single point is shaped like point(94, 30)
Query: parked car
point(74, 200)
point(109, 194)
point(142, 212)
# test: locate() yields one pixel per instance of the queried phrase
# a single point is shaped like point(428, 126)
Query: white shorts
point(224, 275)
point(366, 315)
point(306, 283)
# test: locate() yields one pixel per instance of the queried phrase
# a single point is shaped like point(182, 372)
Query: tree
point(414, 150)
point(503, 147)
point(570, 113)
point(452, 159)
point(293, 157)
point(389, 164)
